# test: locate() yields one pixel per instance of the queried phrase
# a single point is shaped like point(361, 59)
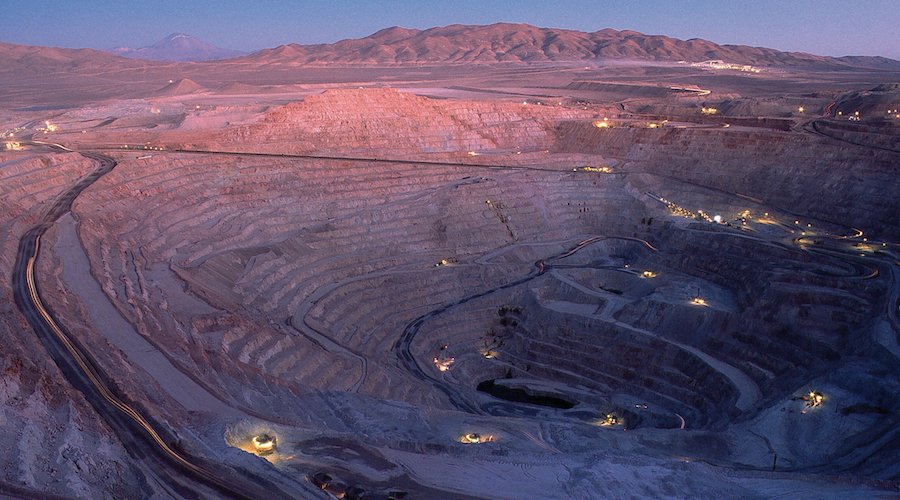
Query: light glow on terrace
point(443, 364)
point(609, 421)
point(475, 438)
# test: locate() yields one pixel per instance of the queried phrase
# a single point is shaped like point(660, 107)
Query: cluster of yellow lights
point(592, 169)
point(13, 146)
point(709, 111)
point(719, 64)
point(264, 444)
point(609, 421)
point(814, 399)
point(649, 274)
point(443, 364)
point(475, 438)
point(683, 212)
point(698, 301)
point(602, 124)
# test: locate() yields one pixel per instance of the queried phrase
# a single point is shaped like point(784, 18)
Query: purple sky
point(824, 27)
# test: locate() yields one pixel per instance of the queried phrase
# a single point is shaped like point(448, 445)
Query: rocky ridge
point(508, 43)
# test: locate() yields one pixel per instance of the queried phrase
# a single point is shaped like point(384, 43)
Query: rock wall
point(386, 123)
point(56, 444)
point(810, 176)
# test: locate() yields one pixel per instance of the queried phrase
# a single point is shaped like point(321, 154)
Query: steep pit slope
point(869, 118)
point(56, 444)
point(882, 101)
point(827, 180)
point(385, 123)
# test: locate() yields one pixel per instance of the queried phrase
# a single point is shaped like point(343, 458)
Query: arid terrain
point(449, 265)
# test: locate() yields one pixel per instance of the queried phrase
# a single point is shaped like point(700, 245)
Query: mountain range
point(524, 43)
point(456, 44)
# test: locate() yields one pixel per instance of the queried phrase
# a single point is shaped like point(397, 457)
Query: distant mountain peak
point(176, 36)
point(178, 47)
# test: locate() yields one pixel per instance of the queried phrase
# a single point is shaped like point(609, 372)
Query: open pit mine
point(565, 279)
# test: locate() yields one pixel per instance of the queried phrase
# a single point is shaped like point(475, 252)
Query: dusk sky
point(824, 27)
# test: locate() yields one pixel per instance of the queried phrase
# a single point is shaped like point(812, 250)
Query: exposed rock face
point(55, 442)
point(385, 123)
point(881, 102)
point(784, 172)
